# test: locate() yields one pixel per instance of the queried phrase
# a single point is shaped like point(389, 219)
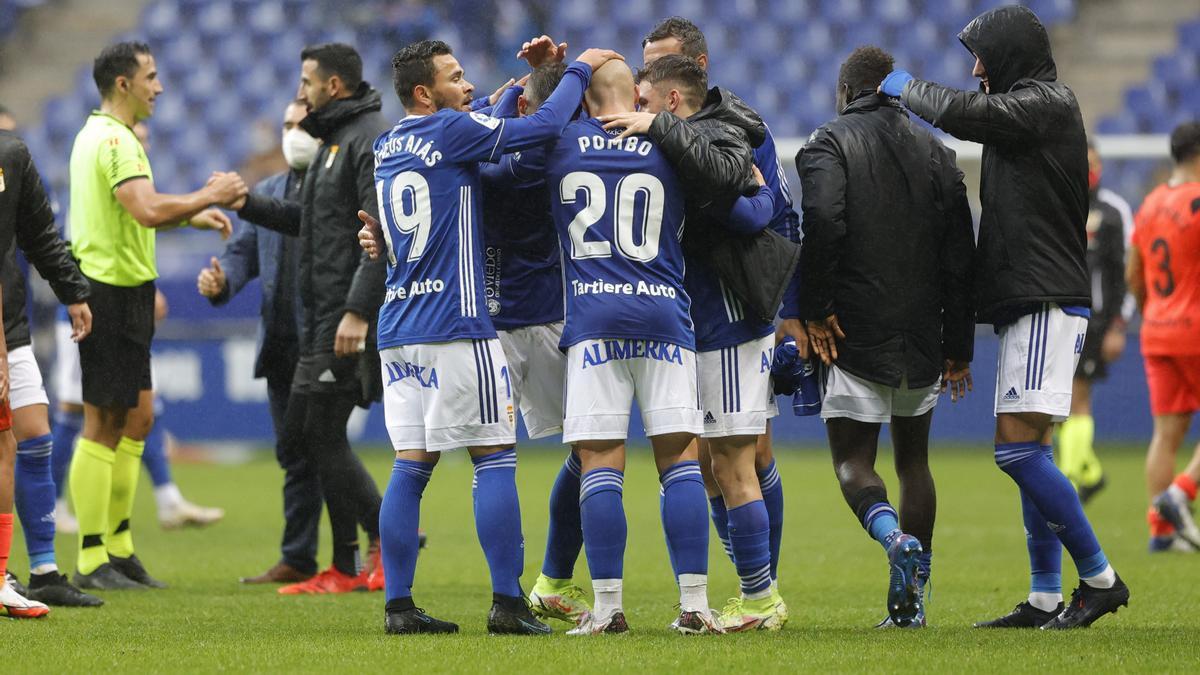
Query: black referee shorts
point(115, 357)
point(1091, 365)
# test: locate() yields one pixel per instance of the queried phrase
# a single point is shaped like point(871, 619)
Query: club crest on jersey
point(486, 120)
point(397, 371)
point(599, 353)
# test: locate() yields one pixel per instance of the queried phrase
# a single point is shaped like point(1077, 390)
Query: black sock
point(399, 604)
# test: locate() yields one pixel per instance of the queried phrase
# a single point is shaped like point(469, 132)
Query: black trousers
point(302, 500)
point(315, 428)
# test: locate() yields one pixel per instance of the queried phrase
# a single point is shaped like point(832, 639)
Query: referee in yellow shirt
point(114, 213)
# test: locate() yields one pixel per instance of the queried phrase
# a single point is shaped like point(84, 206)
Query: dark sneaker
point(15, 584)
point(904, 592)
point(1089, 603)
point(1024, 616)
point(512, 616)
point(415, 620)
point(106, 578)
point(55, 590)
point(1086, 492)
point(133, 568)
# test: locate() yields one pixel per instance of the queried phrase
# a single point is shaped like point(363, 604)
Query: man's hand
point(4, 375)
point(211, 282)
point(956, 376)
point(893, 84)
point(542, 50)
point(370, 236)
point(824, 335)
point(495, 96)
point(631, 122)
point(227, 189)
point(81, 320)
point(758, 178)
point(213, 219)
point(351, 335)
point(793, 328)
point(1113, 344)
point(598, 57)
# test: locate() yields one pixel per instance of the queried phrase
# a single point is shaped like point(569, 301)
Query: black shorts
point(1091, 366)
point(115, 357)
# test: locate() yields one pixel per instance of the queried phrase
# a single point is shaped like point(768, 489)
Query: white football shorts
point(447, 395)
point(604, 377)
point(735, 388)
point(68, 376)
point(537, 368)
point(25, 380)
point(848, 395)
point(1038, 355)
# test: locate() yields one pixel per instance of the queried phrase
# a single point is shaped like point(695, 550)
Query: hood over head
point(1012, 44)
point(723, 105)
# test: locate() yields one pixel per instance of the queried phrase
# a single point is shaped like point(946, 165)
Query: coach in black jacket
point(886, 272)
point(341, 290)
point(1032, 284)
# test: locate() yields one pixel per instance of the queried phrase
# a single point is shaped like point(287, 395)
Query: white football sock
point(167, 497)
point(1106, 579)
point(608, 597)
point(1047, 602)
point(693, 593)
point(44, 568)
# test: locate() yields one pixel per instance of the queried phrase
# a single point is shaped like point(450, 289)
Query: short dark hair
point(1185, 142)
point(865, 69)
point(117, 60)
point(413, 66)
point(691, 38)
point(336, 58)
point(543, 81)
point(679, 70)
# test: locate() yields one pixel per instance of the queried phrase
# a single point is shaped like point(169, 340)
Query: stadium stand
point(10, 11)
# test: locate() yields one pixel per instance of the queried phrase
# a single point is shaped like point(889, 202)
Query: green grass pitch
point(832, 575)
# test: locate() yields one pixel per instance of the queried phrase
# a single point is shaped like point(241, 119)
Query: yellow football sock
point(90, 481)
point(124, 486)
point(1078, 458)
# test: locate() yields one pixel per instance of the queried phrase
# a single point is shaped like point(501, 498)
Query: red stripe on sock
point(6, 527)
point(1184, 482)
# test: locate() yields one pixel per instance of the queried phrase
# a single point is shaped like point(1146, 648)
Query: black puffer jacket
point(888, 243)
point(1034, 181)
point(712, 153)
point(335, 275)
point(27, 221)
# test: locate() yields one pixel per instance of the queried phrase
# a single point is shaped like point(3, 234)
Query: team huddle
point(594, 235)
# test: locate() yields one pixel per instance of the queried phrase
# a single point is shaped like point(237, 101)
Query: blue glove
point(787, 368)
point(893, 84)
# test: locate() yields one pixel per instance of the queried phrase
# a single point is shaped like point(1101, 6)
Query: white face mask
point(299, 148)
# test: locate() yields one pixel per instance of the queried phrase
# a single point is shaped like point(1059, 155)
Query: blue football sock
point(925, 566)
point(882, 523)
point(154, 457)
point(685, 517)
point(399, 518)
point(1045, 550)
point(720, 520)
point(749, 538)
point(498, 520)
point(772, 492)
point(34, 499)
point(565, 537)
point(603, 516)
point(66, 429)
point(1057, 503)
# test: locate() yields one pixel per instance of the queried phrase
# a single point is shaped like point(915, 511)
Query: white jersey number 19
point(415, 221)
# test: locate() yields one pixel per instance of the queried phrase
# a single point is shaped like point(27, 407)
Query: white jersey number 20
point(646, 229)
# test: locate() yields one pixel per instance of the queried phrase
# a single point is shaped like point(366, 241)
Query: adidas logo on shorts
point(709, 419)
point(1012, 395)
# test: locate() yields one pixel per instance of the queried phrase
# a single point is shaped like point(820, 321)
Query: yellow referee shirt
point(110, 244)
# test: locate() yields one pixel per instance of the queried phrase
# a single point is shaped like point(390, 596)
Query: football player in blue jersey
point(447, 380)
point(731, 323)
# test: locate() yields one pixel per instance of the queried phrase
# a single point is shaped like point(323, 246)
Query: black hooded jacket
point(1033, 187)
point(27, 222)
point(336, 276)
point(888, 244)
point(712, 151)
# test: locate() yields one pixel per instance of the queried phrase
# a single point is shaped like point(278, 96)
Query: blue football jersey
point(428, 185)
point(522, 276)
point(619, 211)
point(720, 317)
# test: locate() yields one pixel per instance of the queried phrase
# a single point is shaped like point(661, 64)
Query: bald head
point(612, 89)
